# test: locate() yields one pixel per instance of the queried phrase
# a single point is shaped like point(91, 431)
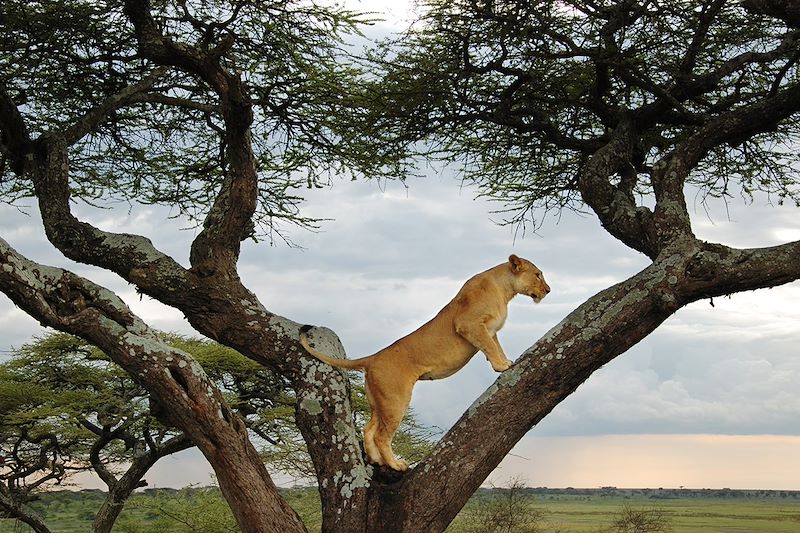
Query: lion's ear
point(516, 263)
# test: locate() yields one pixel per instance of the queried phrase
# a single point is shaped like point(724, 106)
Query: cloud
point(700, 372)
point(743, 224)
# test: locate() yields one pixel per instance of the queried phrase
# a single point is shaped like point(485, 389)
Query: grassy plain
point(553, 511)
point(695, 515)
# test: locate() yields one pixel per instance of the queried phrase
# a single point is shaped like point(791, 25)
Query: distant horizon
point(526, 487)
point(674, 454)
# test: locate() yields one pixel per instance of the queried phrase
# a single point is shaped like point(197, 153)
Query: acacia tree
point(218, 107)
point(67, 409)
point(32, 453)
point(160, 102)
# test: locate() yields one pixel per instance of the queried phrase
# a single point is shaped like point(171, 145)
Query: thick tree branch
point(717, 270)
point(671, 220)
point(21, 511)
point(615, 206)
point(326, 423)
point(131, 256)
point(734, 127)
point(72, 304)
point(98, 465)
point(229, 221)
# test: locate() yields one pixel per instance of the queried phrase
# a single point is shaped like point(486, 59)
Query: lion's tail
point(349, 364)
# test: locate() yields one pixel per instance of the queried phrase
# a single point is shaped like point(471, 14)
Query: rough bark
point(118, 494)
point(614, 205)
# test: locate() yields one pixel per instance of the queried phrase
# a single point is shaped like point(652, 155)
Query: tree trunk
point(116, 498)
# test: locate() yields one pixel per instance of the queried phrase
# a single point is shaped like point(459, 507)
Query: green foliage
point(66, 409)
point(70, 381)
point(631, 520)
point(506, 510)
point(189, 510)
point(59, 59)
point(520, 94)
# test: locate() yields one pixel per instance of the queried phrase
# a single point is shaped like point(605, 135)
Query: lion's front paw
point(505, 365)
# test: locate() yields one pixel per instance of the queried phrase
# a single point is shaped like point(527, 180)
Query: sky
point(709, 400)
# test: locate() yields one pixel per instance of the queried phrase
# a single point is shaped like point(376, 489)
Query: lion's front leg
point(505, 363)
point(477, 334)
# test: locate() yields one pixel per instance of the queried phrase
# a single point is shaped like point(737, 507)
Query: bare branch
point(88, 122)
point(22, 512)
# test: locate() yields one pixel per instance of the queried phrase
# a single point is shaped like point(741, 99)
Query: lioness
point(438, 349)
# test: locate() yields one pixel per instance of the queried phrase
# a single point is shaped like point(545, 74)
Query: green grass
point(706, 515)
point(595, 512)
point(588, 512)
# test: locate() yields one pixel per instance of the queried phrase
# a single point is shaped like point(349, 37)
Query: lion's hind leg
point(373, 454)
point(389, 402)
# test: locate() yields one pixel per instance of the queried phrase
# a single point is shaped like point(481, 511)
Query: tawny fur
point(438, 349)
